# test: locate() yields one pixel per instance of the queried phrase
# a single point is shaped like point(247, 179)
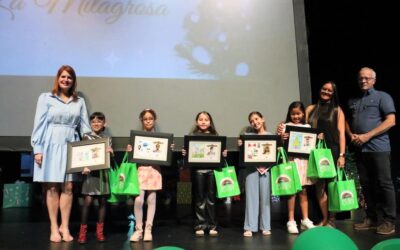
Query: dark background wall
point(344, 36)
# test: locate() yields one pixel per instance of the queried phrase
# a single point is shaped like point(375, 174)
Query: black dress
point(96, 182)
point(328, 125)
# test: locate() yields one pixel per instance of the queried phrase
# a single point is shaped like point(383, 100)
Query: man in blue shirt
point(372, 114)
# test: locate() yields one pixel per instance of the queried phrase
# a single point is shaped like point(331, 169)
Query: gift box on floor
point(184, 193)
point(17, 194)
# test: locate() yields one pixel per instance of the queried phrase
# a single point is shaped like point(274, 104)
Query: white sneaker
point(247, 233)
point(213, 232)
point(266, 232)
point(199, 232)
point(292, 227)
point(307, 224)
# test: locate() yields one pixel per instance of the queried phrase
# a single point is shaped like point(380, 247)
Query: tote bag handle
point(341, 174)
point(321, 143)
point(282, 154)
point(125, 158)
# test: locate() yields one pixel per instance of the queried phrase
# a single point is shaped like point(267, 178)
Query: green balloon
point(168, 248)
point(323, 238)
point(392, 244)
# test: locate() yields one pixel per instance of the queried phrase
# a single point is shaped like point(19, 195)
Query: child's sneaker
point(247, 233)
point(307, 224)
point(213, 232)
point(292, 227)
point(199, 232)
point(266, 232)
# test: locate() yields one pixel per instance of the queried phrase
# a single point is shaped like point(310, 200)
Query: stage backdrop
point(179, 57)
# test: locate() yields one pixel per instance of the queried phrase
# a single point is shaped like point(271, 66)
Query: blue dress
point(56, 124)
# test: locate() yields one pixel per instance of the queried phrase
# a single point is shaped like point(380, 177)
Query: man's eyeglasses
point(360, 79)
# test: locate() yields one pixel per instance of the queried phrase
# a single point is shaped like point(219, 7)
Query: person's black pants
point(205, 200)
point(377, 184)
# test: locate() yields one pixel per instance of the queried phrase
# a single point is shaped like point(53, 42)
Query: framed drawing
point(89, 153)
point(258, 150)
point(301, 140)
point(204, 151)
point(151, 148)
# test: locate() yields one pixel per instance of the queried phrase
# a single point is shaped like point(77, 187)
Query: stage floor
point(28, 228)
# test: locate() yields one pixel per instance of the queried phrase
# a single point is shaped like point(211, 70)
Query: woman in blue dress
point(60, 114)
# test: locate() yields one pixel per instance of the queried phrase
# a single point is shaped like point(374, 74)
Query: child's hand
point(281, 128)
point(284, 136)
point(183, 152)
point(321, 136)
point(262, 170)
point(129, 148)
point(110, 150)
point(240, 142)
point(85, 171)
point(225, 153)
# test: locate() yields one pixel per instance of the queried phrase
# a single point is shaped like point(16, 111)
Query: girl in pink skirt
point(296, 117)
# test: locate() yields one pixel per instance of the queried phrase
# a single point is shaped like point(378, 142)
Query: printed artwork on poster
point(150, 148)
point(260, 151)
point(301, 142)
point(204, 151)
point(88, 155)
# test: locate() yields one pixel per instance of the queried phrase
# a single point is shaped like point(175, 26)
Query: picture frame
point(258, 150)
point(204, 151)
point(301, 140)
point(88, 153)
point(150, 148)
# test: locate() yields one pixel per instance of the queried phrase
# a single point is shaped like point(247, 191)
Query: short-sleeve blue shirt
point(368, 112)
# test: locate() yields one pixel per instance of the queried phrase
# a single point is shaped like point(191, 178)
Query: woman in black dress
point(327, 116)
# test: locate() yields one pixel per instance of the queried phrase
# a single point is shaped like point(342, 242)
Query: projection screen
point(179, 57)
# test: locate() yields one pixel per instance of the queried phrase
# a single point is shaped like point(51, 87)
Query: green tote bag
point(113, 179)
point(125, 180)
point(342, 194)
point(320, 162)
point(226, 182)
point(285, 178)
